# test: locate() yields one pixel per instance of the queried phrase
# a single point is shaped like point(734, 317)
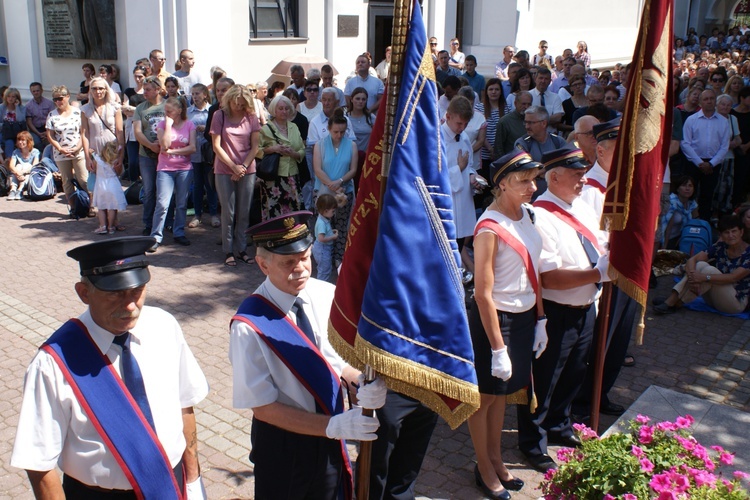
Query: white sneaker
point(12, 195)
point(215, 221)
point(19, 195)
point(195, 222)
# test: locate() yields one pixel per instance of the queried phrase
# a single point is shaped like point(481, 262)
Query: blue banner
point(413, 329)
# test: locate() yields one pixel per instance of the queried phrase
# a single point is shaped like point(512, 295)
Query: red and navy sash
point(597, 185)
point(570, 220)
point(113, 412)
point(303, 359)
point(513, 242)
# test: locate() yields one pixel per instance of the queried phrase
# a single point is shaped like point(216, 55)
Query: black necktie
point(591, 252)
point(303, 322)
point(458, 137)
point(541, 98)
point(131, 375)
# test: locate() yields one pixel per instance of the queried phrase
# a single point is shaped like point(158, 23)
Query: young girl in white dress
point(108, 194)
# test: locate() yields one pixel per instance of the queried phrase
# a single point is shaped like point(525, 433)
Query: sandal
point(246, 258)
point(229, 261)
point(101, 230)
point(111, 230)
point(119, 227)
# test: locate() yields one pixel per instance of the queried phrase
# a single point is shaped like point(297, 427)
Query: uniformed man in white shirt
point(109, 397)
point(573, 264)
point(287, 373)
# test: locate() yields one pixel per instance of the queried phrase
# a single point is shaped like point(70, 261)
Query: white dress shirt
point(591, 195)
point(706, 137)
point(260, 377)
point(53, 429)
point(561, 248)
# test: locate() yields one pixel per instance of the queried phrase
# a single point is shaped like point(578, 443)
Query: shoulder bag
point(268, 168)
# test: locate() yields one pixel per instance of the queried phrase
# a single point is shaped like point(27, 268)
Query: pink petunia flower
point(667, 495)
point(703, 478)
point(741, 475)
point(666, 426)
point(646, 465)
point(646, 434)
point(642, 419)
point(629, 496)
point(608, 497)
point(684, 422)
point(660, 482)
point(637, 451)
point(726, 458)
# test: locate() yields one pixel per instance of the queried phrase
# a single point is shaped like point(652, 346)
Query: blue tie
point(541, 98)
point(303, 322)
point(131, 375)
point(591, 253)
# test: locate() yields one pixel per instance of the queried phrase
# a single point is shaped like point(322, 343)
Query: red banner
point(631, 206)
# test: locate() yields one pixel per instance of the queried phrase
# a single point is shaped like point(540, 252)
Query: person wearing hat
point(573, 264)
point(593, 192)
point(287, 373)
point(109, 396)
point(623, 309)
point(507, 319)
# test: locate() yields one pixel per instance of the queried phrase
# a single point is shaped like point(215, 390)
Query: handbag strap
point(106, 107)
point(274, 133)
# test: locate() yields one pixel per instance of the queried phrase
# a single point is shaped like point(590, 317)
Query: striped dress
point(491, 128)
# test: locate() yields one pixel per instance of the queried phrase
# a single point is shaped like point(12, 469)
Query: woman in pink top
point(174, 172)
point(235, 133)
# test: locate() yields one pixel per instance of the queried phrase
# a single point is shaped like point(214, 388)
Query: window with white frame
point(274, 18)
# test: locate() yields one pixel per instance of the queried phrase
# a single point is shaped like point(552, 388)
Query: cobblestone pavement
point(695, 353)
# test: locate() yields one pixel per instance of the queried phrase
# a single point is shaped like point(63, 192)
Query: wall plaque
point(348, 26)
point(80, 29)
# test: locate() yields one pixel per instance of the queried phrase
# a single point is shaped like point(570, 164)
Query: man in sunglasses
point(157, 59)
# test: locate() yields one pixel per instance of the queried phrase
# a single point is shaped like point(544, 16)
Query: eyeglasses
point(159, 58)
point(590, 132)
point(454, 43)
point(531, 122)
point(59, 98)
point(312, 89)
point(433, 43)
point(545, 46)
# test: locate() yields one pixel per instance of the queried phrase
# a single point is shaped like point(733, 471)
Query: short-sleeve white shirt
point(512, 290)
point(260, 377)
point(54, 430)
point(561, 248)
point(591, 195)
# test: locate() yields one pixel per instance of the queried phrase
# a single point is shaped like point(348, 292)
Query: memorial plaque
point(348, 26)
point(80, 29)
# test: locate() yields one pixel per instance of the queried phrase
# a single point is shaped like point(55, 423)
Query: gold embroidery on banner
point(652, 107)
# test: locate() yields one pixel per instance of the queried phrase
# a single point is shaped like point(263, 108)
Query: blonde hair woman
point(235, 135)
point(12, 118)
point(506, 320)
point(64, 134)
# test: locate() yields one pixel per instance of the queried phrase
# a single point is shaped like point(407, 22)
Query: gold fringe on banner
point(637, 294)
point(421, 382)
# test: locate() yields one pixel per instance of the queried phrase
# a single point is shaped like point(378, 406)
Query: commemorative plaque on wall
point(80, 29)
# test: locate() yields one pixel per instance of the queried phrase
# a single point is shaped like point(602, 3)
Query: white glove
point(353, 425)
point(501, 367)
point(196, 490)
point(372, 395)
point(540, 337)
point(602, 265)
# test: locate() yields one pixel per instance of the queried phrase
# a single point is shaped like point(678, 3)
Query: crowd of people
point(528, 152)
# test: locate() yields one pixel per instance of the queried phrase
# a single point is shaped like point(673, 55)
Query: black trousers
point(405, 430)
point(293, 466)
point(705, 185)
point(623, 312)
point(558, 375)
point(73, 488)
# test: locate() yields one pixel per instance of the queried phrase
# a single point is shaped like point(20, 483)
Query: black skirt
point(518, 335)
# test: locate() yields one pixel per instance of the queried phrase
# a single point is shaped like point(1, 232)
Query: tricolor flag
point(412, 328)
point(631, 206)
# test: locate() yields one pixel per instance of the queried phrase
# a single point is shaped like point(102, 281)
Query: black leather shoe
point(514, 484)
point(542, 463)
point(494, 495)
point(612, 409)
point(569, 441)
point(181, 240)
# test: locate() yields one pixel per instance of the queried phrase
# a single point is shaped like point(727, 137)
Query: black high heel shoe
point(514, 484)
point(493, 495)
